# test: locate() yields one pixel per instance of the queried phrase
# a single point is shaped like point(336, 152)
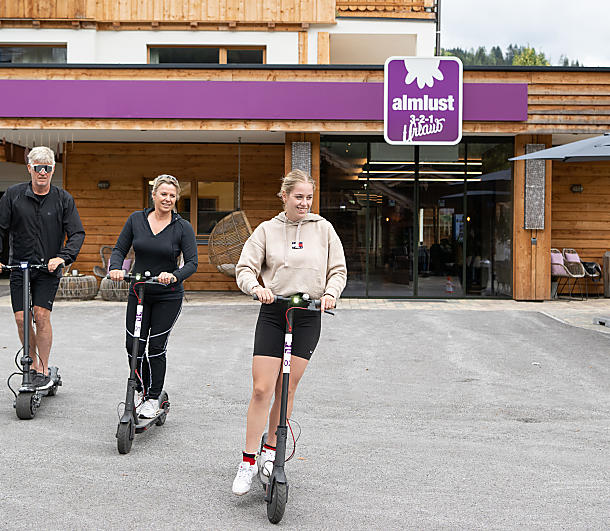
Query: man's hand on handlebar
point(167, 278)
point(117, 275)
point(327, 302)
point(54, 263)
point(264, 295)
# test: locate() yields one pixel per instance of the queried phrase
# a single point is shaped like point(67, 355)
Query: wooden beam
point(323, 48)
point(303, 48)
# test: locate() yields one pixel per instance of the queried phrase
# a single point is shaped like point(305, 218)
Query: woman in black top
point(158, 236)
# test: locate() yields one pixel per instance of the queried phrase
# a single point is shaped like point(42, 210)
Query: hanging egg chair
point(227, 240)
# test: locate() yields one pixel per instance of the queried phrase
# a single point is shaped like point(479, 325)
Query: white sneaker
point(138, 401)
point(149, 408)
point(243, 479)
point(265, 465)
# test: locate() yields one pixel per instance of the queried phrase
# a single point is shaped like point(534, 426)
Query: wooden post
point(323, 48)
point(303, 48)
point(531, 248)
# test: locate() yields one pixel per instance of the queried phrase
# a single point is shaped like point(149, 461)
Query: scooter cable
point(293, 308)
point(294, 441)
point(8, 382)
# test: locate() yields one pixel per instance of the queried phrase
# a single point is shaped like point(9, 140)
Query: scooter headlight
point(296, 299)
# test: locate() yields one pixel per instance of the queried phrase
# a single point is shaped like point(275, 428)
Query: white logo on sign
point(424, 71)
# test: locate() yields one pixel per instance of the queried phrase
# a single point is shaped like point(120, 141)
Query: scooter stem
point(133, 361)
point(26, 359)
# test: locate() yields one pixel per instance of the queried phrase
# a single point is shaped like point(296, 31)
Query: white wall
point(424, 29)
point(130, 47)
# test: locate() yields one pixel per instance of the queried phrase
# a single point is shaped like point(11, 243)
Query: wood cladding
point(386, 8)
point(558, 101)
point(163, 14)
point(581, 221)
point(127, 166)
point(531, 248)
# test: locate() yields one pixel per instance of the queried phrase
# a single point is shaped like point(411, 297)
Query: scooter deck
point(144, 424)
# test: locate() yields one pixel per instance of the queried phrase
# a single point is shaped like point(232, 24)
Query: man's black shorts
point(43, 287)
point(271, 328)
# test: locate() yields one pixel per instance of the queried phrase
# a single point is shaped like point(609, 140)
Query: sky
point(578, 29)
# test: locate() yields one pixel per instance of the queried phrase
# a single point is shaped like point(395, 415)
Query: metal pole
point(438, 27)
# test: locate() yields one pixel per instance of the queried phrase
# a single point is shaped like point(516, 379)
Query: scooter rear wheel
point(277, 505)
point(124, 436)
point(163, 399)
point(24, 404)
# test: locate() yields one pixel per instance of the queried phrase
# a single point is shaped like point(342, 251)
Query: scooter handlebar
point(313, 304)
point(25, 265)
point(128, 277)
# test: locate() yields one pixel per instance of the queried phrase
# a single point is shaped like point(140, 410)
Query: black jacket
point(158, 252)
point(37, 228)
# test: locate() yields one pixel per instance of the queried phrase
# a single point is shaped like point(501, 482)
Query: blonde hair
point(41, 154)
point(292, 179)
point(166, 179)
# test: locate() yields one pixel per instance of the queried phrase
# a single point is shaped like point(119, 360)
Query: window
point(37, 54)
point(215, 199)
point(206, 54)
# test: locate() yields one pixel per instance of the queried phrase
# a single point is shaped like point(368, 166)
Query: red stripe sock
point(249, 458)
point(268, 447)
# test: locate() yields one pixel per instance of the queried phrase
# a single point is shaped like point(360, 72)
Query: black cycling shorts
point(271, 328)
point(43, 288)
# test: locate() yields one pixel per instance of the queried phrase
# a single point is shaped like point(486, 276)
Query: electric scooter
point(129, 423)
point(276, 490)
point(29, 397)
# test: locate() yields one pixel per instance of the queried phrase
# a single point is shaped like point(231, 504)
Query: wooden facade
point(201, 14)
point(559, 101)
point(128, 166)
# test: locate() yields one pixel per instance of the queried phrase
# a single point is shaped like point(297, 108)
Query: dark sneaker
point(41, 380)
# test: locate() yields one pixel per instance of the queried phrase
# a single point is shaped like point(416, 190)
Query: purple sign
point(422, 100)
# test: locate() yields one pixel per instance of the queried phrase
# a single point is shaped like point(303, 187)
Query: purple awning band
point(234, 100)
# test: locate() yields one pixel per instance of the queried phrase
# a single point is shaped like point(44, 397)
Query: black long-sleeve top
point(157, 253)
point(38, 225)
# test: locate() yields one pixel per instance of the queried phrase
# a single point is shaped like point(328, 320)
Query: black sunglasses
point(48, 168)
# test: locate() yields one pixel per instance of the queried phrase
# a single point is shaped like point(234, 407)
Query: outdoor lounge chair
point(576, 265)
point(572, 263)
point(560, 271)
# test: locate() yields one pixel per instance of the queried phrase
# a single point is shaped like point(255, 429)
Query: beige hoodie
point(293, 257)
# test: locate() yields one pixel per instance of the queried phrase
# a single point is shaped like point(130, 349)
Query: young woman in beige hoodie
point(295, 252)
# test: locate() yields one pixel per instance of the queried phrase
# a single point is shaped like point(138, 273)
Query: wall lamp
point(103, 185)
point(576, 188)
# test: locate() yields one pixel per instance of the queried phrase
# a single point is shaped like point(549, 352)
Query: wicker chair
point(227, 240)
point(109, 289)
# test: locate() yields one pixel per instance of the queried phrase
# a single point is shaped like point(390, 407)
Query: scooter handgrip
point(255, 297)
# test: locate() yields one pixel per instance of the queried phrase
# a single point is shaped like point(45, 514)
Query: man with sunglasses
point(38, 216)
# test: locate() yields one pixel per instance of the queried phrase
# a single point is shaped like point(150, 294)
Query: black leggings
point(158, 319)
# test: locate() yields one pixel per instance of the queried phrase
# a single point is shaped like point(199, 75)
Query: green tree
point(528, 57)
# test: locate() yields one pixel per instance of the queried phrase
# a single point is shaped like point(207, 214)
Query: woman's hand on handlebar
point(327, 302)
point(166, 278)
point(264, 295)
point(117, 274)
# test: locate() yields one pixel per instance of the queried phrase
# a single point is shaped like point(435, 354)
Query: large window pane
point(391, 183)
point(33, 54)
point(343, 203)
point(245, 56)
point(440, 216)
point(183, 55)
point(489, 262)
point(214, 201)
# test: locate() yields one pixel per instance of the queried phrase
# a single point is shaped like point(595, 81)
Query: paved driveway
point(411, 418)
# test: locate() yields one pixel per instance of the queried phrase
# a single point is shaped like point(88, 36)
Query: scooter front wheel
point(277, 505)
point(124, 436)
point(25, 406)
